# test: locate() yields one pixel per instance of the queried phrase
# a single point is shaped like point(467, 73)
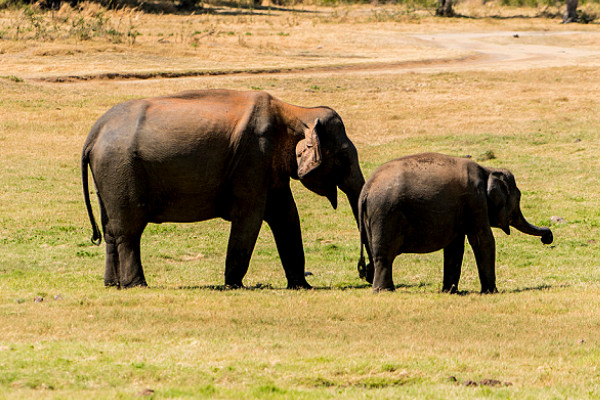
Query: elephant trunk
point(351, 185)
point(520, 223)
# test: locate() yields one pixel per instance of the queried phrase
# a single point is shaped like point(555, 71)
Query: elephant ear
point(498, 196)
point(308, 151)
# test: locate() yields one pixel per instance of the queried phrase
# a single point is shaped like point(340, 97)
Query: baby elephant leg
point(386, 240)
point(484, 248)
point(453, 258)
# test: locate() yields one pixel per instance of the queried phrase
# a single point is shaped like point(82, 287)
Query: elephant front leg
point(242, 239)
point(282, 216)
point(484, 248)
point(453, 258)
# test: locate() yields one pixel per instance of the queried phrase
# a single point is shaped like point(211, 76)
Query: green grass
point(185, 337)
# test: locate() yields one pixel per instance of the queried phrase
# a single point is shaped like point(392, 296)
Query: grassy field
point(184, 337)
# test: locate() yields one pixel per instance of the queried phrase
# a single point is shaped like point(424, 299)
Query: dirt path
point(516, 50)
point(492, 51)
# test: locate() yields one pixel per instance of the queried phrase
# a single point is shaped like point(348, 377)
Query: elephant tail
point(85, 161)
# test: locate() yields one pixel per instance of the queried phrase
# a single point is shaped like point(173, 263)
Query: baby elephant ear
point(497, 193)
point(308, 151)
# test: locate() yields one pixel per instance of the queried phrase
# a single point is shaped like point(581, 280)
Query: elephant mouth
point(329, 191)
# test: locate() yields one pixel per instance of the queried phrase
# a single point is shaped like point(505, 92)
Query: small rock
point(308, 273)
point(38, 299)
point(57, 297)
point(147, 392)
point(319, 47)
point(557, 220)
point(577, 140)
point(581, 341)
point(516, 35)
point(490, 382)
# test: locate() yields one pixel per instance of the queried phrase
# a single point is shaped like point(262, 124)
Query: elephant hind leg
point(111, 272)
point(383, 280)
point(386, 238)
point(131, 271)
point(122, 235)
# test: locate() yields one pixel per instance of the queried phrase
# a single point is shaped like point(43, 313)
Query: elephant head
point(504, 206)
point(327, 159)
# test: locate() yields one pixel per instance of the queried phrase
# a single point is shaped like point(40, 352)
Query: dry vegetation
point(184, 338)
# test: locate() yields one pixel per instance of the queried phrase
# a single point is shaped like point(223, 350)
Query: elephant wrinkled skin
point(428, 202)
point(199, 155)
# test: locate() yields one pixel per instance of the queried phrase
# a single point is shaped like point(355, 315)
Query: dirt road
point(499, 50)
point(517, 50)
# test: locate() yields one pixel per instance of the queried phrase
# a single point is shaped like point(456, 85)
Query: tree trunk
point(570, 14)
point(445, 8)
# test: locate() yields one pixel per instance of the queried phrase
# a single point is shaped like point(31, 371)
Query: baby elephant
point(427, 202)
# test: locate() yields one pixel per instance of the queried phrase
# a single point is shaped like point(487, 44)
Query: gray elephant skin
point(199, 155)
point(428, 202)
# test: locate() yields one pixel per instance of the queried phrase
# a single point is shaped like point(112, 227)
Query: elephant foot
point(111, 283)
point(491, 290)
point(134, 283)
point(233, 286)
point(452, 289)
point(383, 289)
point(299, 284)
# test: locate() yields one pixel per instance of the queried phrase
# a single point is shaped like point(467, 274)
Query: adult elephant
point(199, 155)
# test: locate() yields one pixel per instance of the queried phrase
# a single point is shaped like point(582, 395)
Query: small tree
point(570, 14)
point(444, 8)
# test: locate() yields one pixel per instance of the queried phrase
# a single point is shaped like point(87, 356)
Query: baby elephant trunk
point(520, 223)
